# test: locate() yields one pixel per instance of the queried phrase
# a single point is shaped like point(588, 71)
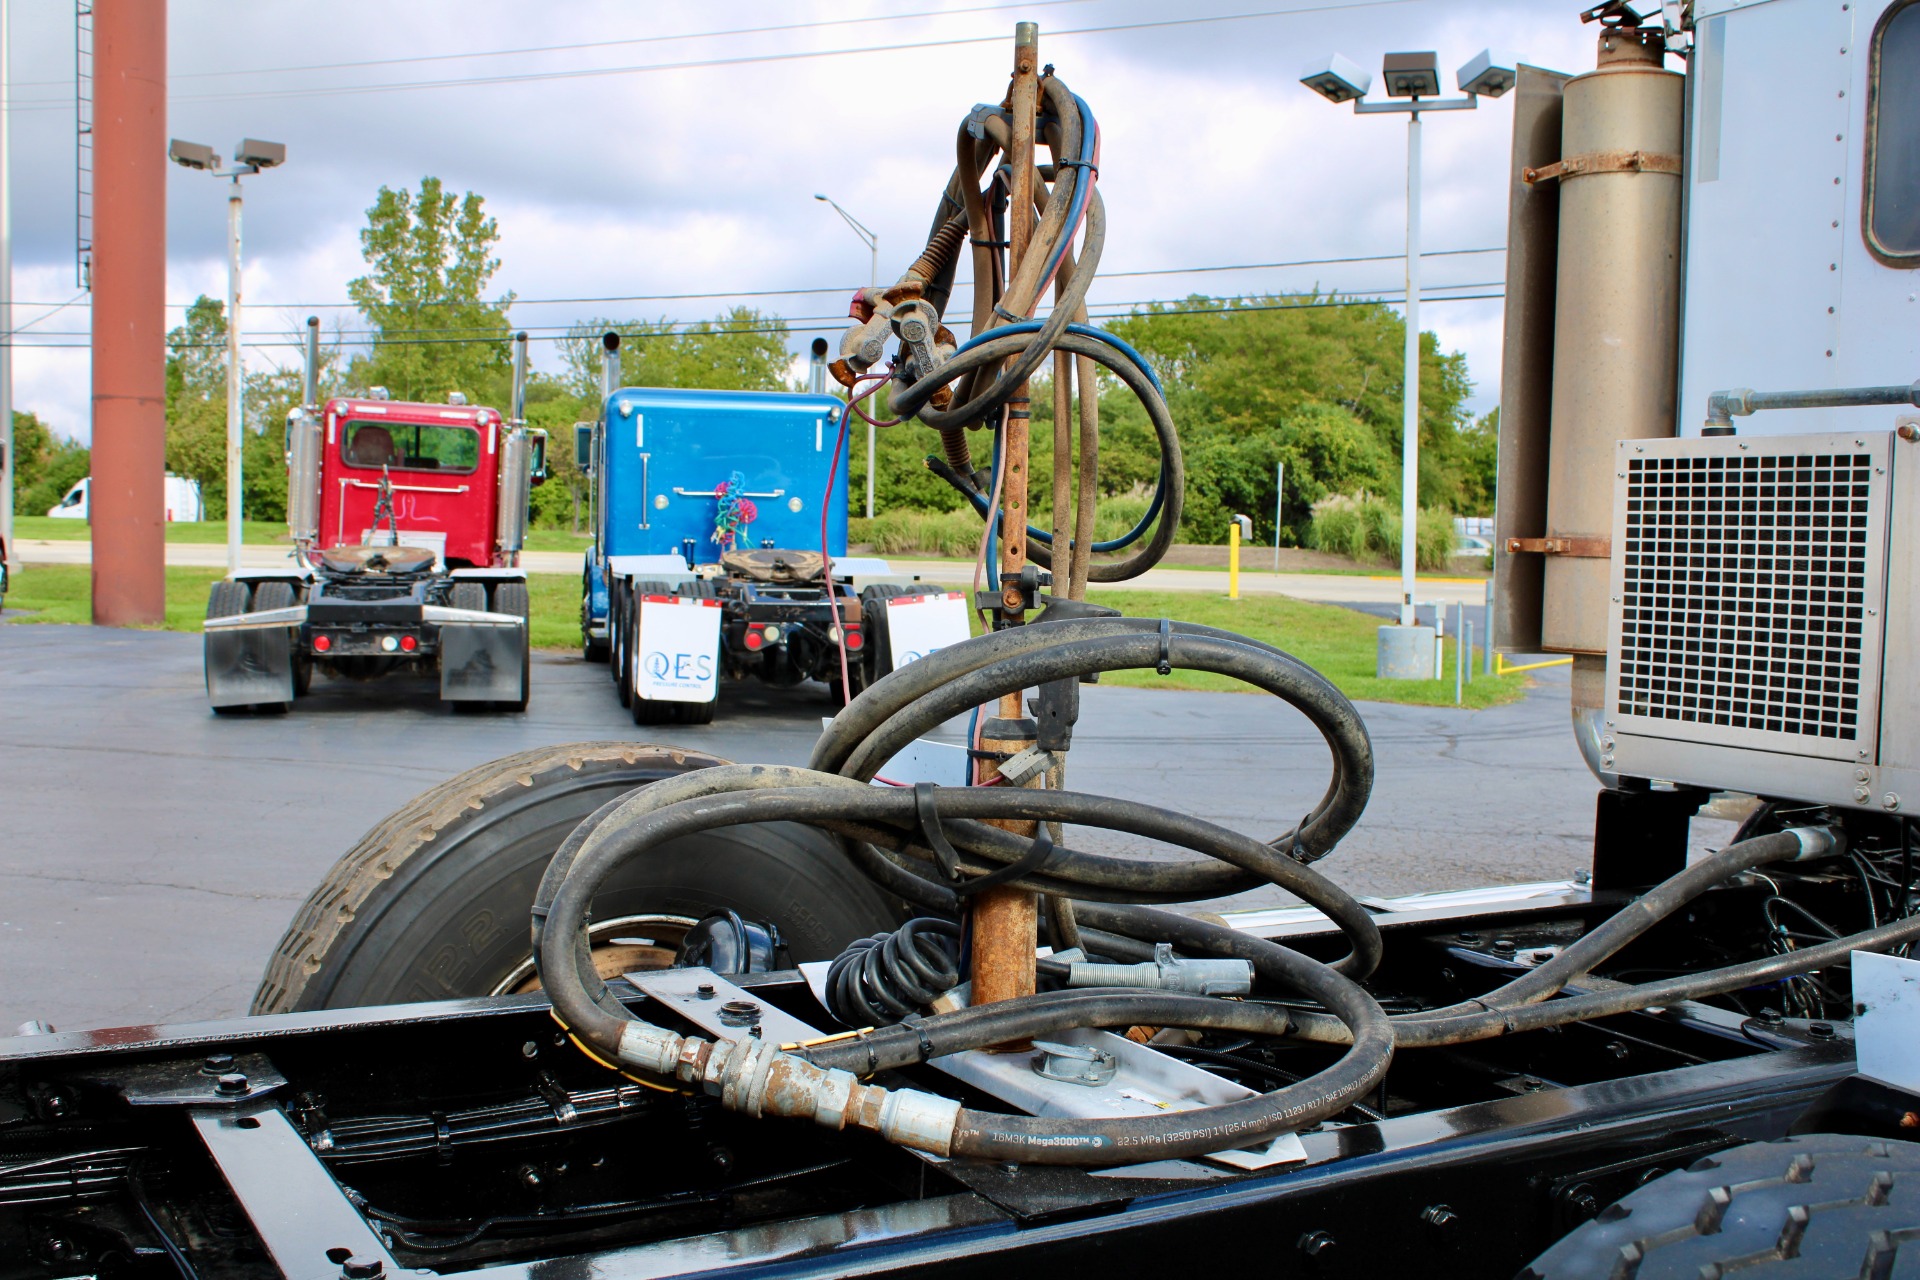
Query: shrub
point(1367, 528)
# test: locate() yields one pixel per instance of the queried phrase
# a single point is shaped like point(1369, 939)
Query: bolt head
point(217, 1064)
point(232, 1084)
point(360, 1267)
point(1316, 1244)
point(529, 1050)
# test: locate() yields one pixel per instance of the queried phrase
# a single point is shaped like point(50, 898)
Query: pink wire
point(826, 509)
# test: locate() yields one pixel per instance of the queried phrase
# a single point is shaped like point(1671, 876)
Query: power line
point(329, 91)
point(841, 288)
point(824, 324)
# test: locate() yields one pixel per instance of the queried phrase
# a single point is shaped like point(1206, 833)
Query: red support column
point(127, 505)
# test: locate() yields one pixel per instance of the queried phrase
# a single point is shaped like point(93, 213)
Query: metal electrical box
point(1765, 616)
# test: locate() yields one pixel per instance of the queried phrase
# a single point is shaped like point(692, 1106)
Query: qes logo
point(696, 667)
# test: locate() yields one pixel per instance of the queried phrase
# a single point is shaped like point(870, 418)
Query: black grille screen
point(1744, 598)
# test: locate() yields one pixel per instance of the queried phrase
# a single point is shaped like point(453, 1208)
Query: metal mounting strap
point(1579, 548)
point(1603, 162)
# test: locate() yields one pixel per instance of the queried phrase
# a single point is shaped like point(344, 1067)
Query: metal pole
point(874, 274)
point(1488, 668)
point(234, 375)
point(1459, 658)
point(1233, 559)
point(126, 508)
point(1279, 496)
point(1467, 640)
point(1410, 396)
point(6, 302)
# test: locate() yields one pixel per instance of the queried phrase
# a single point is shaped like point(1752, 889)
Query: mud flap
point(482, 663)
point(249, 666)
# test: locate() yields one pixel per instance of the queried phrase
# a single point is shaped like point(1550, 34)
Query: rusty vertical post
point(1006, 921)
point(126, 506)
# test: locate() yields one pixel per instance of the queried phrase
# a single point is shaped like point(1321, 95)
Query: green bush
point(956, 534)
point(1366, 528)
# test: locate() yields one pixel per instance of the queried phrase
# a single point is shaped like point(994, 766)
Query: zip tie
point(1166, 644)
point(990, 244)
point(930, 827)
point(1088, 165)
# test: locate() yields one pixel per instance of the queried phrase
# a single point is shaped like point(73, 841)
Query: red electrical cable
point(826, 509)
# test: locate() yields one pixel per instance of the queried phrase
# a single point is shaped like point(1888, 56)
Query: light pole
point(872, 240)
point(251, 156)
point(1414, 78)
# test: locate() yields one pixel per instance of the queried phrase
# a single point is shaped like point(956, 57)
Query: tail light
point(322, 643)
point(408, 644)
point(855, 641)
point(754, 639)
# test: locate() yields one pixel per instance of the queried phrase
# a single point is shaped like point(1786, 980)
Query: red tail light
point(408, 644)
point(754, 639)
point(322, 643)
point(855, 641)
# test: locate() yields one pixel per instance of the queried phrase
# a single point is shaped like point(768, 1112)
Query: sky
point(615, 173)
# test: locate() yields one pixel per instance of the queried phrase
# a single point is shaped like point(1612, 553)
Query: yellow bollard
point(1235, 528)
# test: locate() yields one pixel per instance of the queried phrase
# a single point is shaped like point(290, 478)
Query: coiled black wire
point(886, 977)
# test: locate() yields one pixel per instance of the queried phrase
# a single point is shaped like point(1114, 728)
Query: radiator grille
point(1744, 602)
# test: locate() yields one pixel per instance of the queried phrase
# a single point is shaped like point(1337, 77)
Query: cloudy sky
point(636, 151)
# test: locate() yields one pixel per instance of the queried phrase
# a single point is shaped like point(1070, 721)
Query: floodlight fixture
point(192, 155)
point(259, 154)
point(1336, 78)
point(1411, 75)
point(1489, 73)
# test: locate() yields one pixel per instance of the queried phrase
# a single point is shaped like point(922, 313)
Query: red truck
point(407, 523)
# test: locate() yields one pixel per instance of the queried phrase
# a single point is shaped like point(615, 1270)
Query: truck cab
point(407, 521)
point(443, 465)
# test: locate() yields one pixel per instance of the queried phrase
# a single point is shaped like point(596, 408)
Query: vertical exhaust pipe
point(817, 370)
point(516, 465)
point(609, 366)
point(310, 388)
point(517, 410)
point(303, 451)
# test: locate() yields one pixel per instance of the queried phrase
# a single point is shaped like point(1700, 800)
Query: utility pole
point(6, 296)
point(872, 240)
point(126, 506)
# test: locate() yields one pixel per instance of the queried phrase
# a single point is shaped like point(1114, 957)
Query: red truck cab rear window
point(411, 446)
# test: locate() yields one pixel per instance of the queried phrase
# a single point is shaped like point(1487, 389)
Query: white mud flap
point(920, 625)
point(482, 662)
point(676, 655)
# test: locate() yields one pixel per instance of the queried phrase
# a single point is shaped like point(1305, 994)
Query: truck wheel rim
point(620, 945)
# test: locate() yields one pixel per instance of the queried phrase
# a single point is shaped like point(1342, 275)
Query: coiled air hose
point(978, 381)
point(1111, 899)
point(885, 831)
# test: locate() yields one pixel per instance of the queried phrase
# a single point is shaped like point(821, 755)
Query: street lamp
point(872, 240)
point(250, 156)
point(1405, 650)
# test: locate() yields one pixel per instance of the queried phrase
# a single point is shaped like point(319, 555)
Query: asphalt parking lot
point(152, 854)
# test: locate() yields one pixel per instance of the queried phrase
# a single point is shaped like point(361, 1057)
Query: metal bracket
point(1577, 548)
point(217, 1080)
point(1603, 162)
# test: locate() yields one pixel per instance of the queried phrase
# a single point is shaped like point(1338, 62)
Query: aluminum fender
point(488, 575)
point(443, 616)
point(291, 616)
point(484, 662)
point(668, 568)
point(246, 666)
point(862, 566)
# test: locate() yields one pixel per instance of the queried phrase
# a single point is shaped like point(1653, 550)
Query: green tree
point(45, 466)
point(196, 402)
point(742, 350)
point(430, 258)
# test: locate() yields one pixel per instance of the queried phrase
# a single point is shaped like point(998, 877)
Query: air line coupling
point(1168, 972)
point(755, 1078)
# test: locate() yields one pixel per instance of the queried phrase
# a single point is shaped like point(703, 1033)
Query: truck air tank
point(1616, 326)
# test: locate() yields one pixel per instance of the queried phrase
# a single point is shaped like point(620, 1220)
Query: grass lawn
point(1337, 642)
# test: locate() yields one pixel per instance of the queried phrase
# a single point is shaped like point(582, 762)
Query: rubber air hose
point(914, 699)
point(753, 1077)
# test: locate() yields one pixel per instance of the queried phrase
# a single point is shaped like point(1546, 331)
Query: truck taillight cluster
point(322, 643)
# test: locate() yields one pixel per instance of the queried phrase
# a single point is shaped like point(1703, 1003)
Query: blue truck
point(707, 558)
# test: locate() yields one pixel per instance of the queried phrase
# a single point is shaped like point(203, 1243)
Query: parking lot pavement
point(151, 854)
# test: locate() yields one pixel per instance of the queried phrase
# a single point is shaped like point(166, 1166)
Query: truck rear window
point(410, 446)
point(1893, 139)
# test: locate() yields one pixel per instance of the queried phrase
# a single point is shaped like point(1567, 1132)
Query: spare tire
point(1821, 1204)
point(433, 902)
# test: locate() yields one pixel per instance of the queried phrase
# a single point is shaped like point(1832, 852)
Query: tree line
point(1309, 383)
